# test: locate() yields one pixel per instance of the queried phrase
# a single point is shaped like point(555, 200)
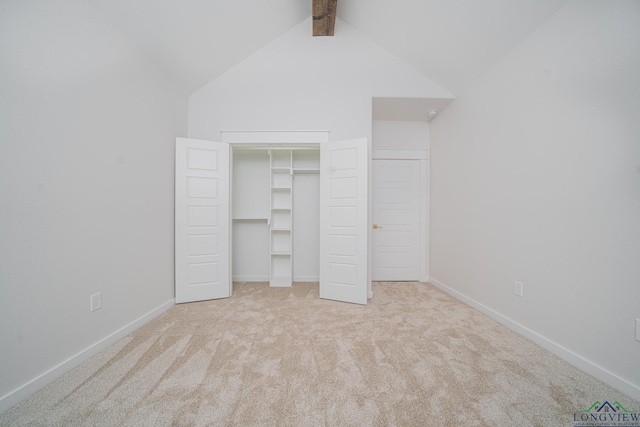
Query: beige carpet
point(281, 356)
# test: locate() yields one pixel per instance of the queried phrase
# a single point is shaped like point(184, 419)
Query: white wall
point(536, 178)
point(300, 82)
point(308, 83)
point(87, 130)
point(400, 135)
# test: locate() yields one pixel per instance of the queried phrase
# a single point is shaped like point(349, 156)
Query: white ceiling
point(451, 41)
point(195, 41)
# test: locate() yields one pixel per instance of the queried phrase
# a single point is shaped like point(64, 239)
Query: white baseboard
point(24, 391)
point(576, 360)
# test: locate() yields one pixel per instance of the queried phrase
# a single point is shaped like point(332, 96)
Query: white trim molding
point(275, 136)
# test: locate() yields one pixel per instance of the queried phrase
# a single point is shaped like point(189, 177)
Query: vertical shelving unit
point(280, 219)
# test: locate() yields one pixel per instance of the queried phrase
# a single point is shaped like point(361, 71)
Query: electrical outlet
point(637, 329)
point(96, 301)
point(517, 288)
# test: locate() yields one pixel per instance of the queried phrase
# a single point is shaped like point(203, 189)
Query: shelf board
point(281, 229)
point(281, 168)
point(306, 170)
point(250, 218)
point(280, 253)
point(281, 188)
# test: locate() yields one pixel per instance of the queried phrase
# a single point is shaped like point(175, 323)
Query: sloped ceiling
point(195, 41)
point(451, 41)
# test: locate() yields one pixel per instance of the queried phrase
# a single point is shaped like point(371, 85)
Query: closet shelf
point(281, 181)
point(250, 218)
point(306, 170)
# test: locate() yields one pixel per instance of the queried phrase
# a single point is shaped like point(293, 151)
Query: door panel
point(396, 214)
point(344, 220)
point(202, 220)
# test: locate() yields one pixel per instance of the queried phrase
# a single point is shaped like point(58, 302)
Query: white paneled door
point(202, 234)
point(396, 220)
point(344, 220)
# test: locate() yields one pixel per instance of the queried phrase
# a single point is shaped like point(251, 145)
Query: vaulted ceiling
point(451, 41)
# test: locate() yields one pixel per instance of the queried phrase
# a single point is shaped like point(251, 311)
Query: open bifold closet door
point(203, 222)
point(202, 261)
point(344, 227)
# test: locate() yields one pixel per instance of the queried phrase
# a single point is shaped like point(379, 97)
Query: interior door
point(202, 235)
point(396, 220)
point(344, 221)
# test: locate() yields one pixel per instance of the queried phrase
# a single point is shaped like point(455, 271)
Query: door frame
point(299, 138)
point(423, 157)
point(264, 139)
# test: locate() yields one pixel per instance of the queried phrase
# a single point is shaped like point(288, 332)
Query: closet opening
point(275, 198)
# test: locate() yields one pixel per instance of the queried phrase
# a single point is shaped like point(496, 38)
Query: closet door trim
point(275, 137)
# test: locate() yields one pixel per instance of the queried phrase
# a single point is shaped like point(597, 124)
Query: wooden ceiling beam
point(324, 17)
